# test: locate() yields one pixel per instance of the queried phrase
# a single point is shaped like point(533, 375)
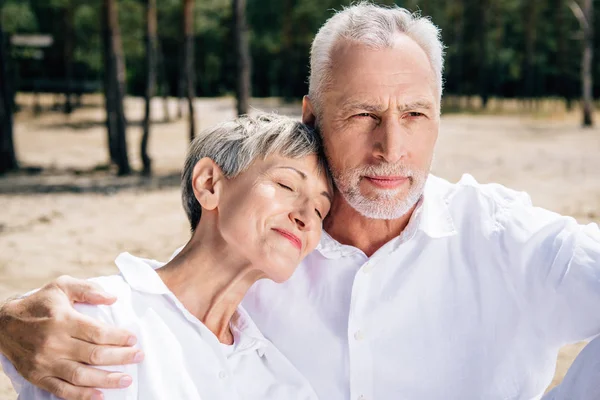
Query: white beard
point(385, 204)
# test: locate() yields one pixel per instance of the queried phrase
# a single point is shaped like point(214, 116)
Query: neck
point(209, 281)
point(349, 227)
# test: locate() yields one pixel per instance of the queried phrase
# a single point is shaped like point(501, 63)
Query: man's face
point(379, 121)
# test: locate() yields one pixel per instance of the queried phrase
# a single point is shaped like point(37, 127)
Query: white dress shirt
point(582, 381)
point(184, 360)
point(472, 301)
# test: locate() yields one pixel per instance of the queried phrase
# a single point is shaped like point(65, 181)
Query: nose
point(302, 217)
point(390, 141)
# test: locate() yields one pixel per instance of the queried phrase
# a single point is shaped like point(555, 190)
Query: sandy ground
point(47, 230)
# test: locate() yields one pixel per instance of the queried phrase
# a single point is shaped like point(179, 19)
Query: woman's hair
point(235, 145)
point(374, 26)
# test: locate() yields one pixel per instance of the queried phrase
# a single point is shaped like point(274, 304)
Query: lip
point(387, 182)
point(294, 240)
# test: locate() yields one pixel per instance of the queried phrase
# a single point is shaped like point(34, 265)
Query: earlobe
point(308, 114)
point(206, 182)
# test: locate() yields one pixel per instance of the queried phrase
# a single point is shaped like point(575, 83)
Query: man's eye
point(415, 114)
point(285, 187)
point(364, 115)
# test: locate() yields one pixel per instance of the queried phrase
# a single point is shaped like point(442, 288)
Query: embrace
point(326, 262)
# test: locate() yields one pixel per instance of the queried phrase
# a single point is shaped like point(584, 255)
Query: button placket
point(359, 335)
point(361, 382)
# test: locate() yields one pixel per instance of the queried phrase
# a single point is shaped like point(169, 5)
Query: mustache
point(386, 169)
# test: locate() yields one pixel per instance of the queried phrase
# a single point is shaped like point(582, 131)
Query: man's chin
point(387, 196)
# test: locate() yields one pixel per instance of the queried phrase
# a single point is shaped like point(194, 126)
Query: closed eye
point(285, 187)
point(318, 213)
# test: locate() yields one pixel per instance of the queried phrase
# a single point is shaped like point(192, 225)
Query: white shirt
point(582, 381)
point(183, 359)
point(472, 301)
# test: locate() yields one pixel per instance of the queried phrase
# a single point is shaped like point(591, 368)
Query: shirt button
point(222, 375)
point(359, 335)
point(367, 268)
point(362, 397)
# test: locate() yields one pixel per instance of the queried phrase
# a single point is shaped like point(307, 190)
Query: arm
point(49, 343)
point(557, 265)
point(582, 381)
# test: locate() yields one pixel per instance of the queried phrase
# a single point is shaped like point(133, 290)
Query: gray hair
point(235, 145)
point(374, 26)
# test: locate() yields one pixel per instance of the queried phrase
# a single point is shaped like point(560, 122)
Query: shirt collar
point(246, 334)
point(431, 216)
point(140, 274)
point(435, 219)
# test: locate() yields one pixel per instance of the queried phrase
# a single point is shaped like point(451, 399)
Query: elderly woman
point(255, 191)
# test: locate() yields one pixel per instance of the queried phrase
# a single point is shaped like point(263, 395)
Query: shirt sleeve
point(582, 381)
point(557, 266)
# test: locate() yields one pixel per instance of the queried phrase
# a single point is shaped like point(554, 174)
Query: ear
point(207, 179)
point(308, 114)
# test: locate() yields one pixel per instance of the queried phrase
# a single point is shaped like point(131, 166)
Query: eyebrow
point(304, 177)
point(416, 105)
point(419, 104)
point(353, 105)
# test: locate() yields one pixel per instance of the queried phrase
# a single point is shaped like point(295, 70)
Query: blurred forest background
point(99, 100)
point(496, 49)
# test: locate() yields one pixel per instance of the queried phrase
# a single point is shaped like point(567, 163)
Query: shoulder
point(468, 199)
point(467, 189)
point(116, 286)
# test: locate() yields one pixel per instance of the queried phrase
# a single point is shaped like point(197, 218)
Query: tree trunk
point(68, 55)
point(166, 112)
point(8, 159)
point(188, 62)
point(242, 56)
point(561, 49)
point(115, 87)
point(285, 84)
point(151, 47)
point(164, 77)
point(482, 28)
point(111, 120)
point(181, 83)
point(586, 63)
point(530, 14)
point(460, 47)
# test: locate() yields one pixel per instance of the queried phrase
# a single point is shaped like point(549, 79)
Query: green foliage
point(490, 49)
point(17, 16)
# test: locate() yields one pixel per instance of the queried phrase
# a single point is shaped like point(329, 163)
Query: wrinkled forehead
point(400, 71)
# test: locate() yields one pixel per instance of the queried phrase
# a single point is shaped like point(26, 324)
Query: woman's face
point(273, 212)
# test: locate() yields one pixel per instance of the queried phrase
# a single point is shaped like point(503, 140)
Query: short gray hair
point(235, 145)
point(374, 26)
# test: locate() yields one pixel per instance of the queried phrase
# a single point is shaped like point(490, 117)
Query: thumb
point(82, 291)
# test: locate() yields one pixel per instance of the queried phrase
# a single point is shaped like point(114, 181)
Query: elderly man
point(419, 289)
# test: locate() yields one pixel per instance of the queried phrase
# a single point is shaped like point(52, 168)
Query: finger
point(92, 331)
point(93, 354)
point(86, 376)
point(66, 391)
point(82, 291)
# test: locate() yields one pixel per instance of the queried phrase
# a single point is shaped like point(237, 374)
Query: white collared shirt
point(184, 360)
point(472, 301)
